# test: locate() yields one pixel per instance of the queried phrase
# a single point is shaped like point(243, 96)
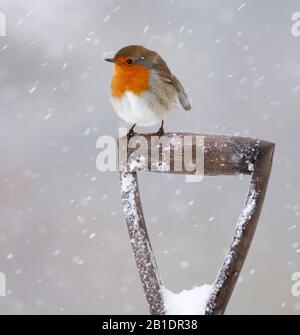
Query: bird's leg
point(161, 131)
point(131, 132)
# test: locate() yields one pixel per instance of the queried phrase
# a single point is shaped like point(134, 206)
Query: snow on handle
point(232, 256)
point(224, 155)
point(140, 242)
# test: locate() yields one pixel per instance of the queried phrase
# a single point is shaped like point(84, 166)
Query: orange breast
point(134, 78)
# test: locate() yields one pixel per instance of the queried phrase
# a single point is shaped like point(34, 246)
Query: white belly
point(139, 109)
point(147, 109)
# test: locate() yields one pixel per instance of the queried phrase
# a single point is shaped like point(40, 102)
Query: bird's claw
point(160, 132)
point(130, 134)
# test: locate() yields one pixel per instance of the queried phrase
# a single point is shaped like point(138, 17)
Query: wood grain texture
point(222, 155)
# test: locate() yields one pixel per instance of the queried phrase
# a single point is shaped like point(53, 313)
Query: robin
point(143, 89)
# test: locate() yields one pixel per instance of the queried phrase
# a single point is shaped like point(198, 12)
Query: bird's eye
point(129, 61)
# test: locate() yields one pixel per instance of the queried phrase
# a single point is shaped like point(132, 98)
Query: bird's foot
point(131, 133)
point(161, 131)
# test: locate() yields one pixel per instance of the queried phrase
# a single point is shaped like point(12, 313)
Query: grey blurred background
point(64, 244)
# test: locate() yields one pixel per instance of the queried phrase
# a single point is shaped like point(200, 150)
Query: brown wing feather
point(160, 66)
point(182, 96)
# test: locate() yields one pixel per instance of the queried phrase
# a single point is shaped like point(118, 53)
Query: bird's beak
point(111, 60)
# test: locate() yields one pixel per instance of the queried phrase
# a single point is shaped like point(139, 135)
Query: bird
point(143, 89)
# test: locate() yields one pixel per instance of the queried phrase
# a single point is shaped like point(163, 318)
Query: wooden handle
point(222, 155)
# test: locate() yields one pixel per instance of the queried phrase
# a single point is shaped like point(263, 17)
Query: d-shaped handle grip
point(221, 155)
